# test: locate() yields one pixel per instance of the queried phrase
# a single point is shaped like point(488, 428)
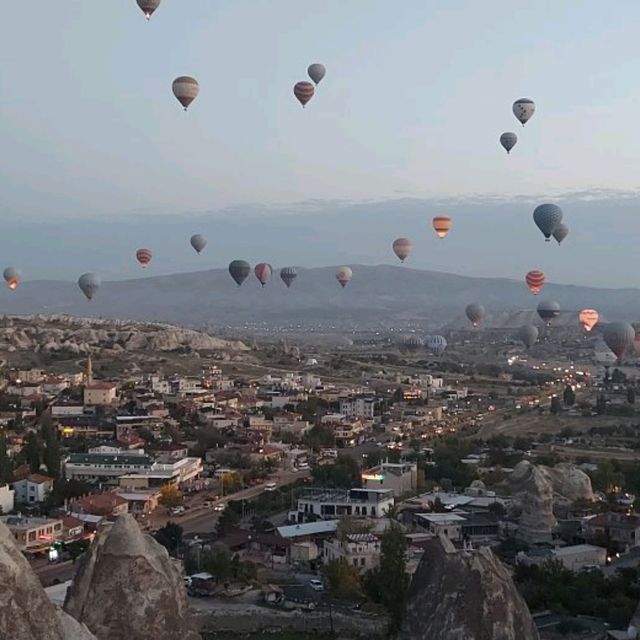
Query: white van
point(270, 486)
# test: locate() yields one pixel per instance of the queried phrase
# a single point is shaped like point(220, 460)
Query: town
point(296, 488)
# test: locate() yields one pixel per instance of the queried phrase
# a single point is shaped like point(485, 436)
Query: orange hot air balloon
point(535, 281)
point(442, 225)
point(588, 318)
point(144, 257)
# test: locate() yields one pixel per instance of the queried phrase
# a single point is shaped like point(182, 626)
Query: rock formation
point(569, 483)
point(533, 502)
point(464, 595)
point(25, 611)
point(127, 588)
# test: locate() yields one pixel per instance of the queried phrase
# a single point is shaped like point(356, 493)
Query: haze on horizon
point(98, 158)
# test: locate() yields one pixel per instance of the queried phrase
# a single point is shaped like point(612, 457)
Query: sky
point(95, 149)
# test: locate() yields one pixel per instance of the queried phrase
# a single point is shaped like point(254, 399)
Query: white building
point(6, 499)
point(358, 407)
point(574, 557)
point(447, 524)
point(104, 467)
point(336, 503)
point(400, 477)
point(33, 489)
point(100, 394)
point(360, 550)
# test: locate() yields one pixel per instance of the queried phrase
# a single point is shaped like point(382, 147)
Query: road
point(55, 573)
point(201, 519)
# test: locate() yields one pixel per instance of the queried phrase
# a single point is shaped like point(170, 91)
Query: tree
point(569, 396)
point(170, 496)
point(51, 452)
point(170, 537)
point(6, 467)
point(631, 395)
point(601, 404)
point(556, 407)
point(388, 584)
point(344, 580)
point(219, 563)
point(32, 452)
point(228, 520)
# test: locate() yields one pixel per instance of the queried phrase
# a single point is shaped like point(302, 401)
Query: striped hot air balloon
point(288, 275)
point(185, 89)
point(402, 248)
point(263, 272)
point(442, 225)
point(588, 318)
point(535, 281)
point(143, 256)
point(303, 91)
point(344, 276)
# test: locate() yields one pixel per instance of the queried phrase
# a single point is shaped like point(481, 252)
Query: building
point(101, 504)
point(575, 557)
point(360, 550)
point(33, 489)
point(336, 503)
point(100, 394)
point(448, 525)
point(72, 528)
point(620, 530)
point(141, 502)
point(105, 467)
point(307, 539)
point(6, 499)
point(33, 534)
point(401, 477)
point(358, 407)
point(176, 473)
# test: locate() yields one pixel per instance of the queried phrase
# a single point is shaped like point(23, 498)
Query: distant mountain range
point(378, 297)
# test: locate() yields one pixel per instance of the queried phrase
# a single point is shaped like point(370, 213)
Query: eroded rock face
point(464, 595)
point(25, 611)
point(127, 588)
point(569, 483)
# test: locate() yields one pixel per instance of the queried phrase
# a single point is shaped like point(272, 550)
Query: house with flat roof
point(104, 467)
point(399, 477)
point(329, 504)
point(33, 534)
point(448, 525)
point(359, 550)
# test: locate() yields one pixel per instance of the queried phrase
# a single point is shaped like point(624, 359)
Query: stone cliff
point(464, 595)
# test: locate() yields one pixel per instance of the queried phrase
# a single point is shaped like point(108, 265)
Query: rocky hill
point(80, 336)
point(378, 296)
point(464, 595)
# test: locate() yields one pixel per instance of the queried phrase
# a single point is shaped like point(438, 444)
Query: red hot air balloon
point(535, 281)
point(263, 272)
point(144, 257)
point(304, 92)
point(588, 318)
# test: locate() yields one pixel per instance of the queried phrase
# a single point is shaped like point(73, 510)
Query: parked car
point(176, 511)
point(316, 585)
point(219, 507)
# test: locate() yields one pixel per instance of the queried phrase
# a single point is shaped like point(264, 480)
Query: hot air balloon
point(148, 7)
point(288, 275)
point(344, 276)
point(143, 256)
point(198, 242)
point(508, 140)
point(529, 335)
point(442, 225)
point(303, 91)
point(588, 318)
point(475, 312)
point(316, 72)
point(619, 336)
point(239, 270)
point(436, 344)
point(547, 217)
point(402, 248)
point(548, 310)
point(89, 283)
point(411, 343)
point(535, 281)
point(12, 277)
point(560, 232)
point(523, 109)
point(263, 272)
point(186, 90)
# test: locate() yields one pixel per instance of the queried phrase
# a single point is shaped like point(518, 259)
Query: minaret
point(88, 375)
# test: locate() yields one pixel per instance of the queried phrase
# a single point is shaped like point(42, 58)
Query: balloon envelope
point(619, 336)
point(144, 256)
point(198, 242)
point(344, 275)
point(303, 91)
point(548, 310)
point(523, 109)
point(148, 7)
point(239, 270)
point(588, 318)
point(535, 281)
point(263, 272)
point(508, 140)
point(288, 275)
point(442, 225)
point(529, 335)
point(560, 232)
point(185, 89)
point(12, 277)
point(402, 248)
point(547, 217)
point(316, 72)
point(475, 312)
point(89, 283)
point(436, 344)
